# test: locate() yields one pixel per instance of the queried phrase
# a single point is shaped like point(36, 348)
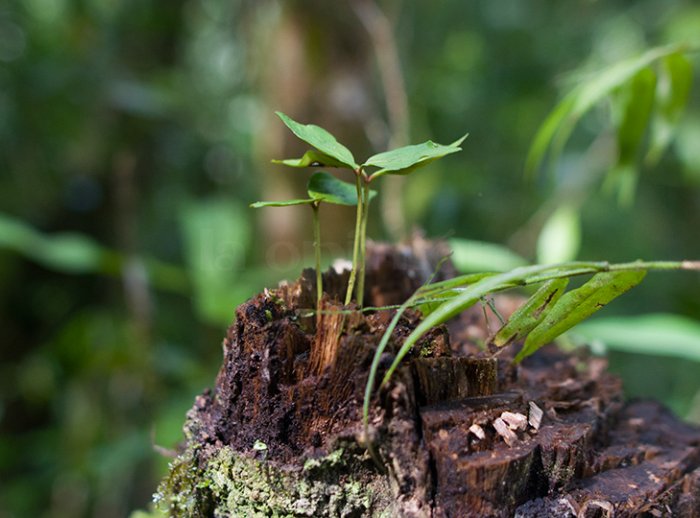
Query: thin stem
point(356, 243)
point(363, 245)
point(521, 276)
point(317, 252)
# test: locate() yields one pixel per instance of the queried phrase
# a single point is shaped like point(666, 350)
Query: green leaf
point(312, 158)
point(545, 135)
point(530, 314)
point(560, 238)
point(64, 252)
point(659, 334)
point(469, 289)
point(557, 127)
point(406, 159)
point(478, 256)
point(672, 92)
point(638, 102)
point(216, 236)
point(328, 189)
point(284, 203)
point(320, 139)
point(577, 305)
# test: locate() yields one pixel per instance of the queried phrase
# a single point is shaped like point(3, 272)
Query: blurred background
point(134, 134)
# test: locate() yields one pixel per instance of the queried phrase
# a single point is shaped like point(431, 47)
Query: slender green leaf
point(659, 334)
point(638, 102)
point(283, 203)
point(530, 314)
point(577, 305)
point(406, 159)
point(605, 82)
point(545, 135)
point(312, 158)
point(321, 140)
point(327, 188)
point(478, 256)
point(672, 92)
point(64, 252)
point(464, 300)
point(557, 127)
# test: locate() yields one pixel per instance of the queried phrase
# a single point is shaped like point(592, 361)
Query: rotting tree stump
point(459, 433)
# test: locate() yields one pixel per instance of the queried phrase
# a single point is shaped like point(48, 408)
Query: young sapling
point(328, 152)
point(321, 188)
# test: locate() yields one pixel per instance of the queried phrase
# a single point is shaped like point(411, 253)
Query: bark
point(457, 432)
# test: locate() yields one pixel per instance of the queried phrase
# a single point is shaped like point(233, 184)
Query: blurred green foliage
point(128, 140)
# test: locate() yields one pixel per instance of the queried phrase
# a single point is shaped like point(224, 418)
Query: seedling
point(548, 313)
point(328, 152)
point(322, 188)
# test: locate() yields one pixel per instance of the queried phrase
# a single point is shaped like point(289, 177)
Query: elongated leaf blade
point(320, 139)
point(283, 203)
point(577, 305)
point(638, 105)
point(656, 334)
point(557, 127)
point(406, 159)
point(530, 314)
point(605, 82)
point(545, 135)
point(478, 256)
point(326, 188)
point(311, 158)
point(672, 92)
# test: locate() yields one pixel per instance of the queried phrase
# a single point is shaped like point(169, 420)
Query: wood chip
point(515, 421)
point(478, 431)
point(535, 416)
point(504, 431)
point(604, 505)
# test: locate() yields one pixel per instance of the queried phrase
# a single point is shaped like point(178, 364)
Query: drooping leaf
point(329, 189)
point(636, 103)
point(469, 289)
point(637, 106)
point(557, 127)
point(545, 135)
point(320, 139)
point(283, 203)
point(463, 300)
point(577, 305)
point(479, 256)
point(560, 238)
point(672, 91)
point(530, 314)
point(406, 159)
point(657, 334)
point(312, 158)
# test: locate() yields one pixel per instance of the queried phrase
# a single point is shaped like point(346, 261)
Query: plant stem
point(317, 252)
point(363, 245)
point(356, 243)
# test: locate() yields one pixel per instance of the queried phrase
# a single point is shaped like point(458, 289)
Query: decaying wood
point(458, 433)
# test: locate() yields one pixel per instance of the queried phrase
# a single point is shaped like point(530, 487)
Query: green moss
point(233, 485)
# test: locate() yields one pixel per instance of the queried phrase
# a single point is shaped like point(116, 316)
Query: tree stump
point(457, 432)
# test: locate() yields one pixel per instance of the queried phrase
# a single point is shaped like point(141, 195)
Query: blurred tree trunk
point(319, 67)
